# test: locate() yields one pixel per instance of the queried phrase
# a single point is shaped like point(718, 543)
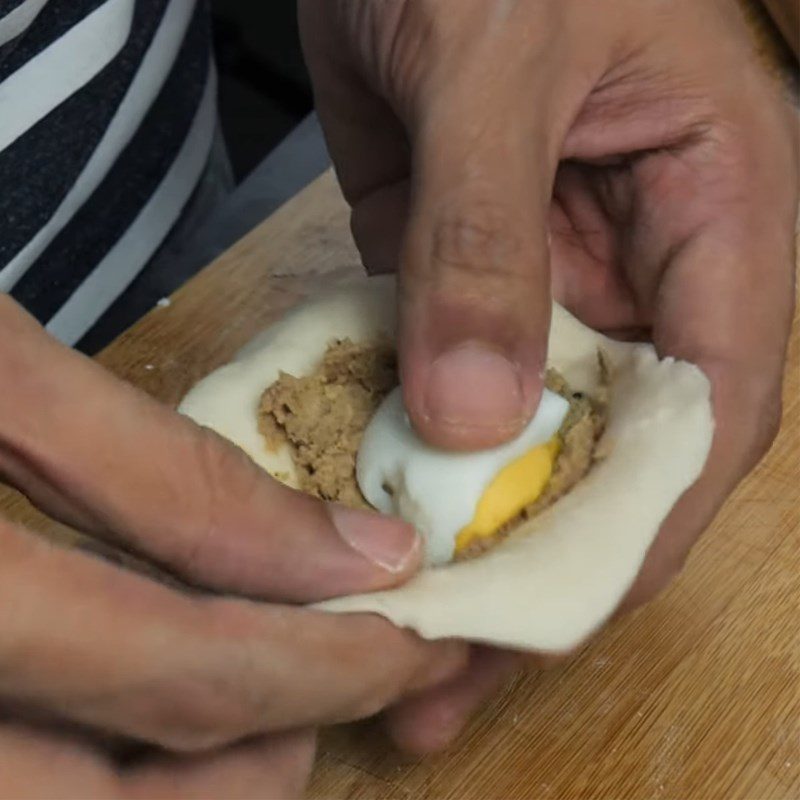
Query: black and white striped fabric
point(107, 115)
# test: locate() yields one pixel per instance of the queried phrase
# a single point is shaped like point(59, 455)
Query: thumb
point(114, 462)
point(474, 274)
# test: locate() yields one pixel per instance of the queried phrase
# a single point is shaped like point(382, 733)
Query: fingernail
point(387, 542)
point(473, 386)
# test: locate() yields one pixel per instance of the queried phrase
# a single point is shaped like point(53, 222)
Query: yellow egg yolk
point(516, 485)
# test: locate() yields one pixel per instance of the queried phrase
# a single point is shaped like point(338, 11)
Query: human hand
point(631, 159)
point(83, 642)
point(35, 763)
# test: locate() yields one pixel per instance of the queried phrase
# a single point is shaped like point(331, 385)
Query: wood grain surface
point(694, 697)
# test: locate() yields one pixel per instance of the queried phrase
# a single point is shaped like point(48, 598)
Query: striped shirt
point(107, 115)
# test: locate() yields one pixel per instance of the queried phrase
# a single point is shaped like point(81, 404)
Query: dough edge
point(563, 573)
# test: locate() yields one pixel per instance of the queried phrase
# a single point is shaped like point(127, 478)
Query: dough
point(546, 590)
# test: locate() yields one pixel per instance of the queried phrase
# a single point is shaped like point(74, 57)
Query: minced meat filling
point(322, 418)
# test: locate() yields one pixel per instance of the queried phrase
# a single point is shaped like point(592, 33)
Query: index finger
point(96, 453)
point(114, 650)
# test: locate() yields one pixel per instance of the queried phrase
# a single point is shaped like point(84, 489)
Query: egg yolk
point(516, 485)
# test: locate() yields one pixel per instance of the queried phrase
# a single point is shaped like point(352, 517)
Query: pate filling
point(322, 417)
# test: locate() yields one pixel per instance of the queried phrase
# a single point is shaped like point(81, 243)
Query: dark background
point(264, 87)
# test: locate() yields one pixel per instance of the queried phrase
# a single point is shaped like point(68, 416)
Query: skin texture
point(631, 158)
point(92, 654)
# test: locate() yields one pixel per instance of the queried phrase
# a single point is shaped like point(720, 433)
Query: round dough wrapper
point(561, 574)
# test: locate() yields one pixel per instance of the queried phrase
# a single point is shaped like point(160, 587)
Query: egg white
point(435, 490)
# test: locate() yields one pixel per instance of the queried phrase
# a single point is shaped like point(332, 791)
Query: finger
point(38, 764)
point(475, 296)
point(588, 223)
point(365, 137)
point(725, 303)
point(475, 286)
point(366, 140)
point(113, 650)
point(746, 420)
point(378, 223)
point(122, 466)
point(432, 720)
point(271, 767)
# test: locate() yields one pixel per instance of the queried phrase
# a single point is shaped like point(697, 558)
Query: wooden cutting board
point(696, 696)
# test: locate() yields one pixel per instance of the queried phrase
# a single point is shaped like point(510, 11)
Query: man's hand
point(37, 764)
point(629, 158)
point(85, 643)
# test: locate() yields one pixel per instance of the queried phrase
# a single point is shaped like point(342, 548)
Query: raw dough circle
point(562, 573)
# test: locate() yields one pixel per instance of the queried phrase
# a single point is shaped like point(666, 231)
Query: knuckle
point(225, 468)
point(380, 687)
point(227, 481)
point(375, 699)
point(393, 39)
point(407, 52)
point(477, 242)
point(369, 706)
point(187, 730)
point(383, 685)
point(221, 697)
